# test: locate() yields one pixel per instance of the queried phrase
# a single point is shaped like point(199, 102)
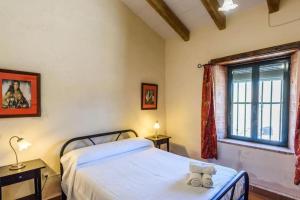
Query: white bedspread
point(142, 174)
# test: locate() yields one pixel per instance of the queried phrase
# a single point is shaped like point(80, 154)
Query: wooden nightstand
point(32, 170)
point(161, 139)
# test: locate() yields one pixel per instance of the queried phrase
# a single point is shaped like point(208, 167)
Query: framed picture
point(149, 96)
point(20, 94)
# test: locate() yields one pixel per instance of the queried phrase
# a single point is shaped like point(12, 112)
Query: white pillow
point(100, 151)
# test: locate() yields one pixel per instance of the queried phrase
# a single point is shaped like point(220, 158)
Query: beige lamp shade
point(228, 5)
point(23, 144)
point(156, 125)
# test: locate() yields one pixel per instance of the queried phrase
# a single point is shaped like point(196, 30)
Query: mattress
point(143, 173)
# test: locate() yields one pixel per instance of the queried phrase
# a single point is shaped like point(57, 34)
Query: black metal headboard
point(90, 138)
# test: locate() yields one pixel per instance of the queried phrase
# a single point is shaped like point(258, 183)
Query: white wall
point(92, 56)
point(245, 31)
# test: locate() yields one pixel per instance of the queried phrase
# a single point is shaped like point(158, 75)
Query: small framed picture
point(20, 94)
point(149, 96)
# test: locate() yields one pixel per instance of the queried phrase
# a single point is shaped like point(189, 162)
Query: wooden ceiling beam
point(165, 12)
point(212, 7)
point(273, 5)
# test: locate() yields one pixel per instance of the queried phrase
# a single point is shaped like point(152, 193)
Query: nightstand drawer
point(162, 141)
point(17, 178)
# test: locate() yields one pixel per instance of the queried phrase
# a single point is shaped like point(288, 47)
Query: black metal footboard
point(230, 188)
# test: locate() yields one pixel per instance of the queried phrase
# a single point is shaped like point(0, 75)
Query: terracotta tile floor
point(254, 196)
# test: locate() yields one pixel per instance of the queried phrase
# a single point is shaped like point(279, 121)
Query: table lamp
point(22, 145)
point(156, 127)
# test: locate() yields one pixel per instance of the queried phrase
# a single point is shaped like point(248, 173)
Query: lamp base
point(17, 166)
point(156, 136)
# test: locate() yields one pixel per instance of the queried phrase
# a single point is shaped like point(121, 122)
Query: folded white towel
point(207, 181)
point(209, 169)
point(194, 180)
point(202, 168)
point(195, 167)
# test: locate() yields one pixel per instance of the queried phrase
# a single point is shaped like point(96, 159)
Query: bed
point(132, 169)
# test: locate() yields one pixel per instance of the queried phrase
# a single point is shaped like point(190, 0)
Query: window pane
point(266, 129)
point(259, 117)
point(260, 96)
point(234, 120)
point(249, 91)
point(266, 91)
point(271, 78)
point(277, 91)
point(248, 120)
point(235, 92)
point(241, 120)
point(242, 74)
point(272, 71)
point(242, 90)
point(241, 79)
point(276, 112)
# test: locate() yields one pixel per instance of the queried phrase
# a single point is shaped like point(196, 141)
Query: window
point(258, 102)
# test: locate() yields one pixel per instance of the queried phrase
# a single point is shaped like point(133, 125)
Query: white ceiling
point(191, 12)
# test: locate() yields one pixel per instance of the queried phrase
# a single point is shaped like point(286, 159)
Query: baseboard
point(270, 194)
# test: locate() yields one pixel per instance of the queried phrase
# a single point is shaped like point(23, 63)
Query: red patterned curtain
point(297, 147)
point(295, 108)
point(208, 124)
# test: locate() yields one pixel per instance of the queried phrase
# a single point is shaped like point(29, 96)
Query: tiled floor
point(254, 196)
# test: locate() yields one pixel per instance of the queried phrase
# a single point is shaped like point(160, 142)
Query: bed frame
point(229, 188)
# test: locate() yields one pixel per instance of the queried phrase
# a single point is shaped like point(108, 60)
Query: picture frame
point(20, 94)
point(149, 96)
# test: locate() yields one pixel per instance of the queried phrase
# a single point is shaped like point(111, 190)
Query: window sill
point(275, 149)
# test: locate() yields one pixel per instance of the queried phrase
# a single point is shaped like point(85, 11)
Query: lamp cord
point(282, 24)
point(14, 148)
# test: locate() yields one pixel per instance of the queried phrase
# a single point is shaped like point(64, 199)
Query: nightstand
point(161, 139)
point(32, 170)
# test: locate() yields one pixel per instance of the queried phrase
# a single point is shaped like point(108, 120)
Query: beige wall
point(245, 31)
point(92, 56)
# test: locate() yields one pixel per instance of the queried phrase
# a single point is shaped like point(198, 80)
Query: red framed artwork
point(149, 96)
point(20, 94)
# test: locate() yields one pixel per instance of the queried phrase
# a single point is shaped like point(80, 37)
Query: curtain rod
point(202, 65)
point(260, 52)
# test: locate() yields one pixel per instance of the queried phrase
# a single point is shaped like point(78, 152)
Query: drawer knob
point(20, 177)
